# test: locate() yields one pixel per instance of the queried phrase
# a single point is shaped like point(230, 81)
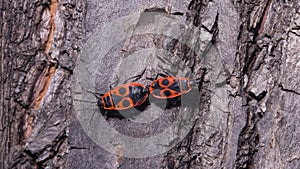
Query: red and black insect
point(168, 87)
point(123, 97)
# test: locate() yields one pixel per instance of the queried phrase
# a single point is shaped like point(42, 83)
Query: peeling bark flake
point(43, 85)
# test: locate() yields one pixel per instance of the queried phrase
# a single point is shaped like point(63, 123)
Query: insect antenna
point(87, 101)
point(97, 95)
point(85, 109)
point(136, 77)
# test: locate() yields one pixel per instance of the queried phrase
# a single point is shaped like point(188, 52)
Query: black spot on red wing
point(122, 90)
point(126, 103)
point(167, 93)
point(165, 82)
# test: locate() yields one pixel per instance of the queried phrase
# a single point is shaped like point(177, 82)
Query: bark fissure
point(288, 90)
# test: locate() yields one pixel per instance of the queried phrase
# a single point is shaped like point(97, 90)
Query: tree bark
point(39, 44)
point(244, 55)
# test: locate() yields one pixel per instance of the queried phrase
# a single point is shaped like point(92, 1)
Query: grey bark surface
point(249, 100)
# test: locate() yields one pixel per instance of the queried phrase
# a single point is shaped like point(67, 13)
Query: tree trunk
point(243, 55)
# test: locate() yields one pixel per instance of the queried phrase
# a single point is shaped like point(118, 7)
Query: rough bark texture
point(249, 100)
point(39, 44)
